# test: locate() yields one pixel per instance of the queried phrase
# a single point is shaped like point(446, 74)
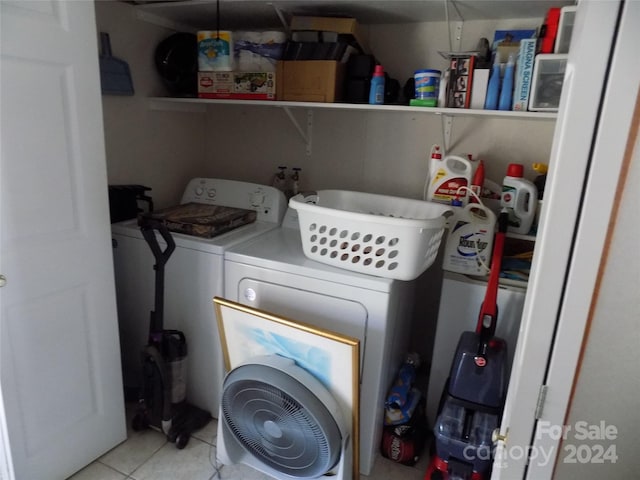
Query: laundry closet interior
point(163, 142)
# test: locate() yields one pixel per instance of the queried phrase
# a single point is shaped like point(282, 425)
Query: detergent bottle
point(470, 240)
point(446, 176)
point(520, 198)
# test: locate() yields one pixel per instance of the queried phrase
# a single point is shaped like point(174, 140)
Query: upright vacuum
point(473, 397)
point(162, 404)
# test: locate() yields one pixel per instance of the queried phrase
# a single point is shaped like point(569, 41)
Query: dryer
point(193, 276)
point(272, 273)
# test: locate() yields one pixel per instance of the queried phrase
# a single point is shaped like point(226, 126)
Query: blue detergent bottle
point(376, 93)
point(506, 93)
point(493, 90)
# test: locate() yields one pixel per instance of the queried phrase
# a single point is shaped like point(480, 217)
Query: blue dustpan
point(115, 77)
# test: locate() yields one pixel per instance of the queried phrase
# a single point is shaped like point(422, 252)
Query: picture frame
point(333, 358)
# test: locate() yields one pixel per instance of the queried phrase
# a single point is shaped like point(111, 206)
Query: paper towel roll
point(215, 51)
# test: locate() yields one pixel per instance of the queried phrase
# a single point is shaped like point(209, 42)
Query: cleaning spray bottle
point(520, 198)
point(470, 240)
point(446, 176)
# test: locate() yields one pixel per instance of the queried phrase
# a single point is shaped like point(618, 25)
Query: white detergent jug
point(446, 176)
point(520, 198)
point(470, 240)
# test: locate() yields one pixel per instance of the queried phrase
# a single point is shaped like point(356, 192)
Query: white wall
point(162, 150)
point(608, 384)
point(376, 152)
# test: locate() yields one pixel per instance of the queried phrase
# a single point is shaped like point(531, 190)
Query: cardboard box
point(237, 85)
point(524, 74)
point(310, 80)
point(460, 82)
point(479, 88)
point(340, 25)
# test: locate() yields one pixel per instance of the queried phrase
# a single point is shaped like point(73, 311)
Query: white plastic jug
point(470, 240)
point(520, 198)
point(446, 176)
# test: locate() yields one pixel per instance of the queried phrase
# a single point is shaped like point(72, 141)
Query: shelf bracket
point(447, 126)
point(281, 17)
point(306, 136)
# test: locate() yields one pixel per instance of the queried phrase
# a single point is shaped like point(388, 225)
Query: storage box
point(460, 81)
point(548, 77)
point(565, 29)
point(237, 85)
point(310, 80)
point(340, 25)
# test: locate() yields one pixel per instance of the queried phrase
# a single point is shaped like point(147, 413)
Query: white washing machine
point(272, 273)
point(194, 274)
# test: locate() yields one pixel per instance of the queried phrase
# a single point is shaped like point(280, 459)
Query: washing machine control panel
point(268, 202)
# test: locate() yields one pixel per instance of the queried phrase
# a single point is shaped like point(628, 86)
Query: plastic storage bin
point(548, 78)
point(379, 235)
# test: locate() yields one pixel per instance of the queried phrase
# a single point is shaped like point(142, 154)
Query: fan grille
point(280, 421)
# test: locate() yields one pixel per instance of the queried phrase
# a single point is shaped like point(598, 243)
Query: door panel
point(586, 71)
point(60, 365)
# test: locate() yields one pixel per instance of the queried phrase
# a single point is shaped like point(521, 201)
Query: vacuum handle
point(105, 45)
point(148, 226)
point(487, 319)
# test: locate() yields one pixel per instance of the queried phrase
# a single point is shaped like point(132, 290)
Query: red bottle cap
point(378, 71)
point(515, 170)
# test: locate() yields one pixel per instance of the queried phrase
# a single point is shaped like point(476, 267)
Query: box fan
point(279, 419)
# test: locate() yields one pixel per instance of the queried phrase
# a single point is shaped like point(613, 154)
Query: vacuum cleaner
point(162, 404)
point(473, 397)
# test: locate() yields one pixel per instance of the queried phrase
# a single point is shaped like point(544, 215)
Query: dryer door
point(317, 308)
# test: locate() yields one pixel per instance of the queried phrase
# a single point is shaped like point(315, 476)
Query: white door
point(59, 351)
point(592, 41)
point(602, 192)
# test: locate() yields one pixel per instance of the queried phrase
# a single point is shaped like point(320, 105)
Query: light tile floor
point(147, 455)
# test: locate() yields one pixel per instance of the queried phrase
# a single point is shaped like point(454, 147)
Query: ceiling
point(244, 14)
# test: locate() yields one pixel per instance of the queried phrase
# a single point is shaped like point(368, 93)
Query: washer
point(272, 273)
point(194, 274)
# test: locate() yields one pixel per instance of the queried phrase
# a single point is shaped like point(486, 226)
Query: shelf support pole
point(447, 126)
point(306, 136)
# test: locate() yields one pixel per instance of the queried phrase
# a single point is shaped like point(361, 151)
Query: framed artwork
point(332, 358)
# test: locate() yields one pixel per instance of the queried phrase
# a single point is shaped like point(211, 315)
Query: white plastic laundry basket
point(375, 234)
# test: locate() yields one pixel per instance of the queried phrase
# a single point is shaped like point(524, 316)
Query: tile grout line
point(147, 460)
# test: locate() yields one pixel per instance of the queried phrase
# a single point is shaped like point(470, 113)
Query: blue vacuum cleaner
point(473, 397)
